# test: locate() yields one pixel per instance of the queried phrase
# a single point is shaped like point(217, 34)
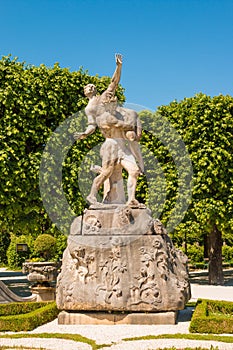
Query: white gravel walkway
point(112, 334)
point(60, 344)
point(50, 344)
point(115, 334)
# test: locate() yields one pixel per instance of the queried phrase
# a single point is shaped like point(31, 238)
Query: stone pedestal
point(44, 293)
point(105, 318)
point(41, 274)
point(119, 259)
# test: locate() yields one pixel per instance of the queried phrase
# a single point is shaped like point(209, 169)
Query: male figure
point(115, 123)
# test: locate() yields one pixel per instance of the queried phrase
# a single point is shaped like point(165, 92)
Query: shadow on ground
point(201, 277)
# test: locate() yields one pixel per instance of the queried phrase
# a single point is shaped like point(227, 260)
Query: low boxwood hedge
point(17, 317)
point(20, 307)
point(212, 316)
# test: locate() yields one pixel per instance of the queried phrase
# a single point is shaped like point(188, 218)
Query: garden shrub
point(195, 253)
point(227, 253)
point(46, 312)
point(20, 307)
point(45, 245)
point(61, 243)
point(16, 259)
point(212, 316)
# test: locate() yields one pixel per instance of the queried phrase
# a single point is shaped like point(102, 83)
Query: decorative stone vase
point(41, 274)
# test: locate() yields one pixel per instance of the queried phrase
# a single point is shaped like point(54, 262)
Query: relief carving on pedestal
point(92, 224)
point(111, 271)
point(84, 265)
point(155, 266)
point(126, 216)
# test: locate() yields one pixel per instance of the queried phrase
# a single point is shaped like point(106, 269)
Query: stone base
point(44, 293)
point(120, 260)
point(104, 318)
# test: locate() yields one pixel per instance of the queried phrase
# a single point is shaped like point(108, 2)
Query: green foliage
point(212, 317)
point(26, 321)
point(4, 244)
point(75, 337)
point(227, 253)
point(20, 308)
point(16, 259)
point(205, 125)
point(195, 253)
point(45, 245)
point(61, 243)
point(226, 339)
point(34, 101)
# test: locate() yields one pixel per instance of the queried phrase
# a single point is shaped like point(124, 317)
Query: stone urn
point(42, 275)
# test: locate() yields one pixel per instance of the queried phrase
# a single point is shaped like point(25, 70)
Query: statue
point(120, 265)
point(121, 128)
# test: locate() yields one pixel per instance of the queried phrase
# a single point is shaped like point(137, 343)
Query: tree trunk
point(206, 246)
point(215, 257)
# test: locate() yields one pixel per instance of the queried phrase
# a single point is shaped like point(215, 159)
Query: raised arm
point(116, 76)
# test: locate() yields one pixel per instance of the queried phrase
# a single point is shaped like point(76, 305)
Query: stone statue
point(121, 128)
point(120, 265)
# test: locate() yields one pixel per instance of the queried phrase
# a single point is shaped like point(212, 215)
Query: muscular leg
point(133, 173)
point(135, 149)
point(105, 172)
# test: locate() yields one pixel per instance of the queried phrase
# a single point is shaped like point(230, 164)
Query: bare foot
point(91, 199)
point(133, 203)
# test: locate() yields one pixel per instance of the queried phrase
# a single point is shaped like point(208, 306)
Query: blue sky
point(172, 48)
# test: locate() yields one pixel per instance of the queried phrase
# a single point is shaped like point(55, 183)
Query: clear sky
point(172, 48)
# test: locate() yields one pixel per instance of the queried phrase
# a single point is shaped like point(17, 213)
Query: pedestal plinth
point(119, 259)
point(44, 293)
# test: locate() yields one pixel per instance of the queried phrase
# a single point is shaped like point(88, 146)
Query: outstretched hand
point(78, 136)
point(118, 58)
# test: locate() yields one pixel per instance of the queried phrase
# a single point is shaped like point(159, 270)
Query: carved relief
point(146, 274)
point(158, 227)
point(126, 216)
point(83, 264)
point(146, 291)
point(92, 224)
point(178, 260)
point(155, 266)
point(110, 273)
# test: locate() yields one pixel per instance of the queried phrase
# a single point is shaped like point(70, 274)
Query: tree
point(33, 102)
point(16, 259)
point(4, 244)
point(206, 125)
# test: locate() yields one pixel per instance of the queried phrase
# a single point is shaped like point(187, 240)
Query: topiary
point(45, 246)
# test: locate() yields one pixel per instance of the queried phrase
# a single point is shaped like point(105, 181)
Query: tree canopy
point(205, 125)
point(34, 101)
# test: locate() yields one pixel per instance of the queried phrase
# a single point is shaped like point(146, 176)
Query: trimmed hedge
point(212, 316)
point(20, 307)
point(18, 317)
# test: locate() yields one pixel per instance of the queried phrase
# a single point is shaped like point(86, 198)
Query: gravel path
point(112, 334)
point(115, 334)
point(50, 344)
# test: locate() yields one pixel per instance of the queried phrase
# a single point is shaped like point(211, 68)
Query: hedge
point(18, 317)
point(20, 307)
point(212, 316)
